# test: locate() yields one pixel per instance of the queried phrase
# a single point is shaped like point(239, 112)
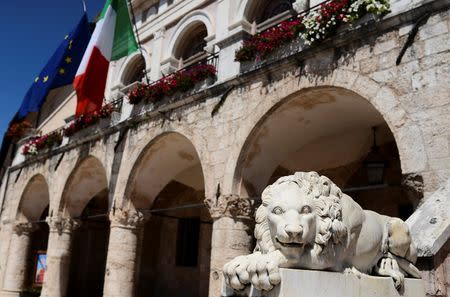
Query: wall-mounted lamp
point(375, 163)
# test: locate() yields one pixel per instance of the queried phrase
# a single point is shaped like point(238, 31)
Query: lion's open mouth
point(290, 244)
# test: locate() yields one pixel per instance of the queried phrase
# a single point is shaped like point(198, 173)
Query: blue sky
point(29, 32)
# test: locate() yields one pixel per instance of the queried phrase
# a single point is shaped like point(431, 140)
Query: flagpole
point(84, 6)
point(147, 79)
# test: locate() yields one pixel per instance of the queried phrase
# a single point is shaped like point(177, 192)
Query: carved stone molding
point(231, 206)
point(62, 225)
point(24, 228)
point(130, 219)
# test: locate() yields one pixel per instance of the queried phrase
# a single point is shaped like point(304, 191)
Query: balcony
point(167, 92)
point(329, 20)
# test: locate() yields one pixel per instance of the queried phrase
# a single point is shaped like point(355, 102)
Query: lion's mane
point(326, 201)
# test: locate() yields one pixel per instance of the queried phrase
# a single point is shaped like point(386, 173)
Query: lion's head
point(298, 212)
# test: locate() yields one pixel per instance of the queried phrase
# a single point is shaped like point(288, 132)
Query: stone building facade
point(155, 201)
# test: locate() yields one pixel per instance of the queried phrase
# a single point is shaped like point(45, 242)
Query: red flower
point(19, 129)
point(180, 81)
point(266, 42)
point(42, 142)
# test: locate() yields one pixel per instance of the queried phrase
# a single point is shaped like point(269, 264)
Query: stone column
point(19, 253)
point(232, 234)
point(123, 258)
point(157, 52)
point(58, 256)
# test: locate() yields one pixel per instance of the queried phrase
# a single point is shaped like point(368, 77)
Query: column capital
point(62, 225)
point(24, 227)
point(128, 219)
point(231, 206)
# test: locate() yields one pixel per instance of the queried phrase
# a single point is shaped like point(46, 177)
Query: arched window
point(134, 71)
point(192, 42)
point(259, 11)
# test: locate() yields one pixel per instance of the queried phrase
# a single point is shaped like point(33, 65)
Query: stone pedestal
point(305, 283)
point(121, 264)
point(16, 268)
point(58, 256)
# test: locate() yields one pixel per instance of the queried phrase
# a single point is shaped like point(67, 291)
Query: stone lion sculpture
point(305, 221)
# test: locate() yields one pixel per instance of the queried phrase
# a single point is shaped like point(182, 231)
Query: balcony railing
point(306, 28)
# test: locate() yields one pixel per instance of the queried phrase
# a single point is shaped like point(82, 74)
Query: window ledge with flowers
point(192, 78)
point(308, 28)
point(36, 145)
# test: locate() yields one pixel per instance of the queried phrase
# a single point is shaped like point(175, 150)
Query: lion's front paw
point(264, 271)
point(260, 270)
point(235, 272)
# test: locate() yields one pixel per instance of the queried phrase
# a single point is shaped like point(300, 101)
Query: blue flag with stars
point(60, 69)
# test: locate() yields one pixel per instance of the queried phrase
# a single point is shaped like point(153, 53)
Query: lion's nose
point(293, 231)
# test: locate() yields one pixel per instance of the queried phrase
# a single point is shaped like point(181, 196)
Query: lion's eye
point(277, 210)
point(306, 209)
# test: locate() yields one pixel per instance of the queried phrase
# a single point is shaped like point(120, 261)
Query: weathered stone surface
point(332, 284)
point(430, 223)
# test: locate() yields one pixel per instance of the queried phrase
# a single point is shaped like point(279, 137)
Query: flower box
point(205, 83)
point(100, 118)
point(42, 144)
point(314, 26)
point(179, 82)
point(20, 130)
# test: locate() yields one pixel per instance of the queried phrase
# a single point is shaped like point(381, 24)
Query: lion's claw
point(262, 271)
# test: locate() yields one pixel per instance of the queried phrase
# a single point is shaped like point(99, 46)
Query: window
point(135, 71)
point(192, 43)
point(261, 11)
point(187, 242)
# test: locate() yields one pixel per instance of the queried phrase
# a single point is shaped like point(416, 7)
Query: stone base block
point(9, 294)
point(305, 283)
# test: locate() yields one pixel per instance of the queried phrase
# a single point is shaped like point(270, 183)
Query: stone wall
point(413, 98)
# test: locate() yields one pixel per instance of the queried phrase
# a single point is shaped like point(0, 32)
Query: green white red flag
point(113, 38)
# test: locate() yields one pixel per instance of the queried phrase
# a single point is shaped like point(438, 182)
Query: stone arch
point(411, 150)
point(86, 181)
point(172, 152)
point(185, 25)
point(127, 70)
point(34, 200)
point(167, 180)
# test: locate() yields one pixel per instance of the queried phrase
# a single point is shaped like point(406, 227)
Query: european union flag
point(60, 69)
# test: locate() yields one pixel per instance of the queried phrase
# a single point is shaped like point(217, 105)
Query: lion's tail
point(407, 266)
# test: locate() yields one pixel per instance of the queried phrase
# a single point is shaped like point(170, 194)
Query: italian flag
point(113, 38)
